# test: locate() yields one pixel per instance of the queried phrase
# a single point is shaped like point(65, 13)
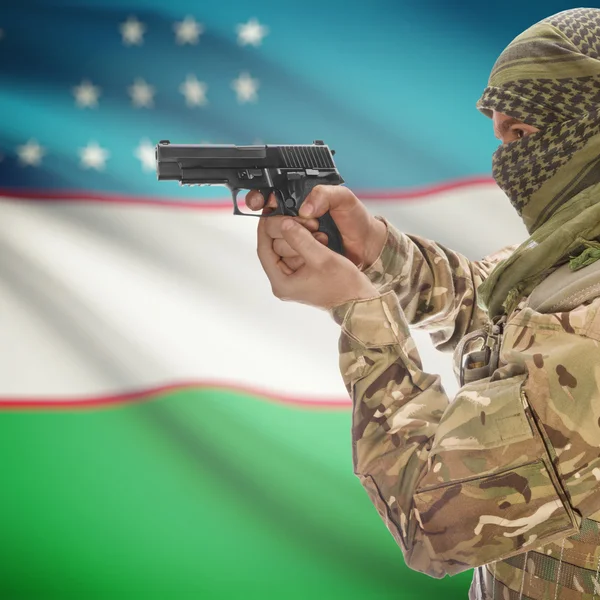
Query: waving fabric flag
point(230, 475)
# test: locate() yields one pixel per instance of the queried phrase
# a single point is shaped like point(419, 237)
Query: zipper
point(533, 423)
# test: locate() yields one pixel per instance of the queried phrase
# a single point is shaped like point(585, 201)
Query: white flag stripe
point(105, 299)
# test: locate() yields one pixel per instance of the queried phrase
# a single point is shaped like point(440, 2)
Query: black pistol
point(290, 172)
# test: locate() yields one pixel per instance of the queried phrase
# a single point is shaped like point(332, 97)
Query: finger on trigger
point(254, 200)
point(272, 200)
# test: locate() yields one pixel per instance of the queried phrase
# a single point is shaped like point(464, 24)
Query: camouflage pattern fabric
point(543, 576)
point(548, 77)
point(505, 474)
point(441, 301)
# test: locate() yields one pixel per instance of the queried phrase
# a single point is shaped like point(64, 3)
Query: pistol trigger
point(266, 193)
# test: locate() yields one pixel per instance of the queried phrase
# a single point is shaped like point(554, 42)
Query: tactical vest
point(568, 569)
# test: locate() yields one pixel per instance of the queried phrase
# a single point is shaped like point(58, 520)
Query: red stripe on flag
point(151, 393)
point(224, 203)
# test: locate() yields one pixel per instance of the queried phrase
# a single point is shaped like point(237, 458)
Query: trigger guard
point(234, 194)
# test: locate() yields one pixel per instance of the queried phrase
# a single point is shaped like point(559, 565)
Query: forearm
point(396, 411)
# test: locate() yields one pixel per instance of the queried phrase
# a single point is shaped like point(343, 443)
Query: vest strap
point(573, 565)
point(565, 289)
point(562, 290)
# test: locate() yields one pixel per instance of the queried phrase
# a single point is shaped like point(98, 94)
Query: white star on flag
point(145, 152)
point(142, 94)
point(93, 156)
point(187, 31)
point(86, 94)
point(245, 87)
point(132, 32)
point(30, 153)
point(194, 91)
point(251, 32)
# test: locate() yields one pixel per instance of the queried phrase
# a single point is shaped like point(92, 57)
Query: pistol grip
point(289, 204)
point(327, 225)
point(300, 190)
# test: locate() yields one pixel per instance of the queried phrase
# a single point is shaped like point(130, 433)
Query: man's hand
point(363, 235)
point(325, 279)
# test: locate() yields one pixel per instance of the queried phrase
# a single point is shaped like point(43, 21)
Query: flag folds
point(220, 463)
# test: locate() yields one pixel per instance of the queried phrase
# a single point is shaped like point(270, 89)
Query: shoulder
point(487, 264)
point(583, 320)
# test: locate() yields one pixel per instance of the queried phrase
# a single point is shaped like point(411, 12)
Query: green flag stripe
point(195, 494)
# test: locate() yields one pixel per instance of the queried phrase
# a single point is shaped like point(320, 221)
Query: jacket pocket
point(484, 414)
point(478, 520)
point(490, 490)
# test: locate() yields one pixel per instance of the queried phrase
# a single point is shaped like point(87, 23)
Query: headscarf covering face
point(548, 77)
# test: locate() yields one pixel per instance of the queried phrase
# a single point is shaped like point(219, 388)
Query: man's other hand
point(363, 236)
point(325, 279)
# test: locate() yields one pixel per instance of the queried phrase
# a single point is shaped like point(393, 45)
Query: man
point(505, 477)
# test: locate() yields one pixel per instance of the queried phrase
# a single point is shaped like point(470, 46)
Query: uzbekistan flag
point(169, 428)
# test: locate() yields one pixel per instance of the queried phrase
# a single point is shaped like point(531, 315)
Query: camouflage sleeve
point(482, 478)
point(436, 286)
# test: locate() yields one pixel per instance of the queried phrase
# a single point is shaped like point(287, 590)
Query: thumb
point(302, 241)
point(326, 198)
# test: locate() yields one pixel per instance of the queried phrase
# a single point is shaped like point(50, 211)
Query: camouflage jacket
point(512, 463)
